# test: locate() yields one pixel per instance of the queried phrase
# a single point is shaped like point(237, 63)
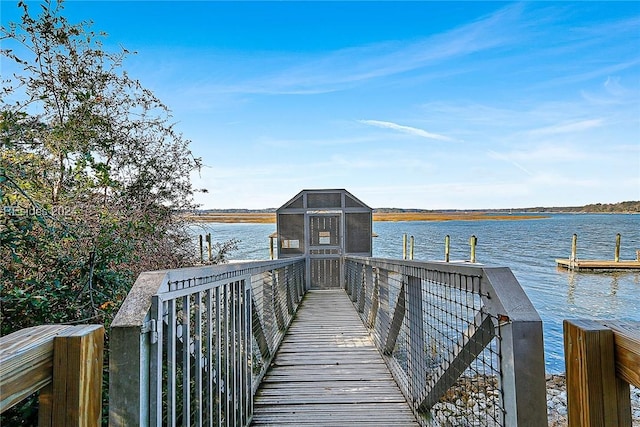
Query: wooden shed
point(324, 225)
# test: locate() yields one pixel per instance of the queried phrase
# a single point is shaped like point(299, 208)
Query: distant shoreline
point(270, 217)
point(266, 216)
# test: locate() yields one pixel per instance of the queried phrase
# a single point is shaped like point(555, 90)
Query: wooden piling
point(447, 244)
point(404, 246)
point(598, 265)
point(271, 251)
point(473, 241)
point(574, 250)
point(209, 241)
point(201, 249)
point(411, 241)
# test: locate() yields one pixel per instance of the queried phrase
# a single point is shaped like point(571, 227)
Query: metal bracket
point(150, 326)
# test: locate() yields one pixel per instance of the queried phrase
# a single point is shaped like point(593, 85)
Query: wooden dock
point(328, 372)
point(598, 265)
point(575, 264)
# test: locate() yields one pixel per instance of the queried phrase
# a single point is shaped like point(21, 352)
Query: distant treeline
point(622, 207)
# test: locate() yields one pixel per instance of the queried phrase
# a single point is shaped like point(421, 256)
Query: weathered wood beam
point(375, 302)
point(366, 282)
point(258, 331)
point(415, 325)
point(277, 308)
point(383, 304)
point(396, 323)
point(474, 340)
point(283, 280)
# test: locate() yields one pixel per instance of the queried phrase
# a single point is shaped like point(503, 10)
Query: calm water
point(528, 247)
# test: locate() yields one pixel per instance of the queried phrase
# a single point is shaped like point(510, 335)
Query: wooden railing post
point(64, 363)
point(76, 398)
point(595, 396)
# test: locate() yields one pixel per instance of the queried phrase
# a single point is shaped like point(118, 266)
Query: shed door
point(325, 250)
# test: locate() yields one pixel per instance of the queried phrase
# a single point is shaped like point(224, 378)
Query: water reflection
point(614, 285)
point(571, 288)
point(594, 294)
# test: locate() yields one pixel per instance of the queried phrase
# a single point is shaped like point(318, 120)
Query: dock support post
point(473, 241)
point(411, 241)
point(447, 245)
point(271, 252)
point(616, 256)
point(209, 241)
point(404, 246)
point(574, 251)
point(201, 249)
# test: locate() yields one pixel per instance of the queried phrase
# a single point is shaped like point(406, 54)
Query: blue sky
point(436, 105)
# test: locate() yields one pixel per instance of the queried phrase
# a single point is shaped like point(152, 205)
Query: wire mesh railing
point(190, 346)
point(462, 341)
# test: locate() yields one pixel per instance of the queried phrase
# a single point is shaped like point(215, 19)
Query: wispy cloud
point(506, 158)
point(348, 67)
point(320, 142)
point(571, 127)
point(406, 129)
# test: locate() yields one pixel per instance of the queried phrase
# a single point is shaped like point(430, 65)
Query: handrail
point(448, 330)
point(64, 363)
point(602, 359)
point(190, 345)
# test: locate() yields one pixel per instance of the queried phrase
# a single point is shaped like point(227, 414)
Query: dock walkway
point(328, 372)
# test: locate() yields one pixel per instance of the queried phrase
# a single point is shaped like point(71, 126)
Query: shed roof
point(326, 198)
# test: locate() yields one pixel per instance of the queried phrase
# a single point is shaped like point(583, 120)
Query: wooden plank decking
point(597, 265)
point(328, 372)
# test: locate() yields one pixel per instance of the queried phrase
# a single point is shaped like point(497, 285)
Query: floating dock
point(598, 265)
point(575, 264)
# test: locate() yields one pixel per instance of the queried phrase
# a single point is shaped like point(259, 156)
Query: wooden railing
point(190, 346)
point(63, 363)
point(454, 335)
point(602, 359)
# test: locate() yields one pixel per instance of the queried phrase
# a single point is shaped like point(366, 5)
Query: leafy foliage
point(93, 175)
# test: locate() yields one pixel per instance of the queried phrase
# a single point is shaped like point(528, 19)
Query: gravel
point(557, 402)
point(475, 402)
